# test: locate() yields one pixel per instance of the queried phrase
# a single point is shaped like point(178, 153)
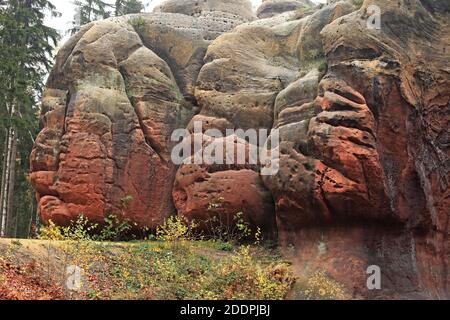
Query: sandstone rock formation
point(270, 8)
point(362, 115)
point(366, 176)
point(236, 10)
point(209, 193)
point(118, 90)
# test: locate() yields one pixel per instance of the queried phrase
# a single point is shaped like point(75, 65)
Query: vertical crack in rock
point(142, 126)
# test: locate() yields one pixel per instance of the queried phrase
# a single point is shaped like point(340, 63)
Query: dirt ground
point(29, 270)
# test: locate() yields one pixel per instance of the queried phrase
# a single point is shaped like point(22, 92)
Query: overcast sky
point(67, 10)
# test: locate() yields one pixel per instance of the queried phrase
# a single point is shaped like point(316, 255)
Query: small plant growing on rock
point(323, 66)
point(358, 3)
point(313, 54)
point(138, 23)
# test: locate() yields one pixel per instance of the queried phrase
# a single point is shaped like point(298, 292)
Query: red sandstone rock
point(200, 196)
point(366, 176)
point(204, 192)
point(109, 109)
point(362, 114)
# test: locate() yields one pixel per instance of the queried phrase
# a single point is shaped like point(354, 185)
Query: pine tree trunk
point(5, 183)
point(90, 10)
point(32, 222)
point(11, 184)
point(3, 180)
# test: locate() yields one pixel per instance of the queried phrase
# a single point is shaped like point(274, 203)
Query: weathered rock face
point(237, 88)
point(209, 193)
point(362, 116)
point(270, 8)
point(408, 93)
point(246, 69)
point(118, 90)
point(235, 10)
point(364, 169)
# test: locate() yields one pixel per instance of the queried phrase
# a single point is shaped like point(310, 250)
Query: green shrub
point(174, 266)
point(232, 230)
point(52, 232)
point(175, 229)
point(79, 230)
point(138, 23)
point(156, 271)
point(241, 276)
point(313, 54)
point(323, 66)
point(358, 3)
point(113, 229)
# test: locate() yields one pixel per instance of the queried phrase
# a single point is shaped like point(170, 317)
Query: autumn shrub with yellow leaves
point(319, 286)
point(176, 264)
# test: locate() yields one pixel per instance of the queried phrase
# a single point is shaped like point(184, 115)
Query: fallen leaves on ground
point(17, 283)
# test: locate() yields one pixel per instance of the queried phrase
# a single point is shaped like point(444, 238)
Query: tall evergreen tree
point(88, 11)
point(124, 7)
point(92, 10)
point(26, 49)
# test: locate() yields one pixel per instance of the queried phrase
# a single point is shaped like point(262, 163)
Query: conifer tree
point(88, 11)
point(26, 52)
point(123, 7)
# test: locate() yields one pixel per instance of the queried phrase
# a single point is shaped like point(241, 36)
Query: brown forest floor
point(22, 274)
point(20, 283)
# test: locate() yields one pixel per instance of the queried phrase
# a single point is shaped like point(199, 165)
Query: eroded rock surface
point(270, 8)
point(362, 115)
point(366, 175)
point(118, 90)
point(220, 192)
point(244, 72)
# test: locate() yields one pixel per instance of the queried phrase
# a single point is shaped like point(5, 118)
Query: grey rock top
point(231, 9)
point(270, 8)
